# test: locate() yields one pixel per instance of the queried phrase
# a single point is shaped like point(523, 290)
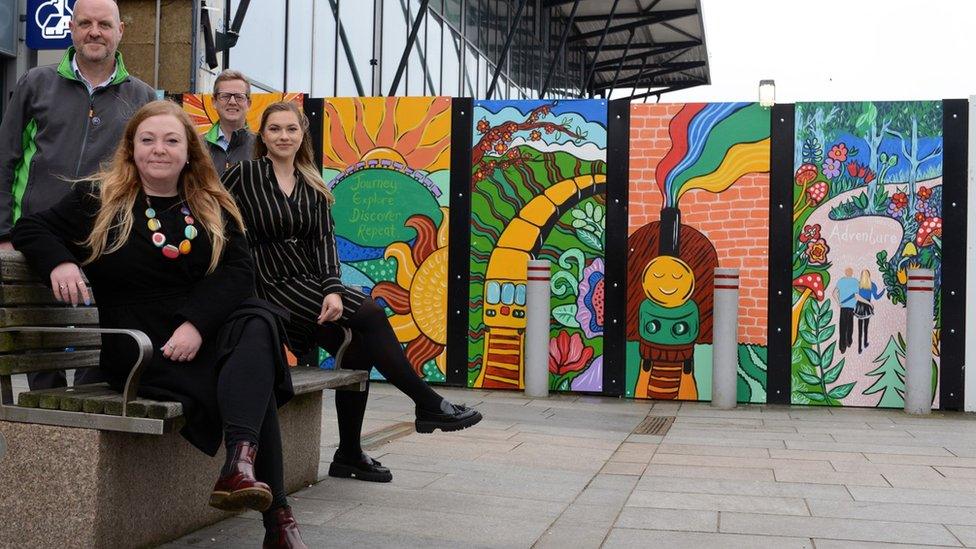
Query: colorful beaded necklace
point(159, 239)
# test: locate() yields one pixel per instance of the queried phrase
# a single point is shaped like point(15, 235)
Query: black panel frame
point(955, 148)
point(314, 109)
point(779, 367)
point(615, 257)
point(459, 246)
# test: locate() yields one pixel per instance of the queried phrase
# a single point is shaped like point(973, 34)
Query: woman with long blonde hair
point(863, 310)
point(287, 211)
point(163, 246)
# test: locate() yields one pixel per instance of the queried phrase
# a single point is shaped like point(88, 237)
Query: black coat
point(137, 287)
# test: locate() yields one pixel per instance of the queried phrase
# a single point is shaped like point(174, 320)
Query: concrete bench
point(89, 467)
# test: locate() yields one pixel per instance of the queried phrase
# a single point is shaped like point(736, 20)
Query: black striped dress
point(292, 239)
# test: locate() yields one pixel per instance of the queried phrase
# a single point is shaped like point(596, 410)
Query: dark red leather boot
point(281, 530)
point(238, 489)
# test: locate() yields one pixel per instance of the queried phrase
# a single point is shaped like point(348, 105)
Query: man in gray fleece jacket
point(61, 123)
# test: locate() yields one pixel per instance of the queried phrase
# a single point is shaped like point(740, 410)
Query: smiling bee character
point(669, 323)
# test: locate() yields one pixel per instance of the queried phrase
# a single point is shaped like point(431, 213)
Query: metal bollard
point(725, 338)
point(537, 329)
point(918, 342)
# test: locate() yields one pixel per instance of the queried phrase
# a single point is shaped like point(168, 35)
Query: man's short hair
point(231, 74)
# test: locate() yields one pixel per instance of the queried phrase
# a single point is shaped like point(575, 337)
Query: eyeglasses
point(226, 97)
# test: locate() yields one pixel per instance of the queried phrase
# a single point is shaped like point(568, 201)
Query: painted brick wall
point(736, 221)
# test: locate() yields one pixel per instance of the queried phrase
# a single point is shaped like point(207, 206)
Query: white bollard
point(537, 329)
point(918, 342)
point(725, 338)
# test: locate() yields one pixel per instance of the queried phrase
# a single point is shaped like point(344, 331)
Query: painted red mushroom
point(928, 229)
point(804, 175)
point(815, 195)
point(810, 284)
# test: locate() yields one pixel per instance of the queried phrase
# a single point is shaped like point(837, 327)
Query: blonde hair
point(304, 159)
point(119, 185)
point(865, 279)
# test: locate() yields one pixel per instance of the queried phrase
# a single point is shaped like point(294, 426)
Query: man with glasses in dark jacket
point(229, 140)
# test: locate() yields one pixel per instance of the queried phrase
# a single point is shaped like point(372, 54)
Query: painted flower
point(859, 171)
point(900, 200)
point(838, 152)
point(817, 251)
point(810, 232)
point(513, 154)
point(535, 135)
point(568, 354)
point(483, 125)
point(924, 193)
point(499, 148)
point(590, 302)
point(831, 168)
point(869, 176)
point(919, 216)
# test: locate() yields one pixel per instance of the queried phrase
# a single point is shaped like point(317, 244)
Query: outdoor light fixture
point(767, 93)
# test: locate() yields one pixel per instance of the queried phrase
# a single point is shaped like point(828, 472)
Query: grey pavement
point(567, 471)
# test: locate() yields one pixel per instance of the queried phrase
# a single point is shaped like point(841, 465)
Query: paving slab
point(753, 488)
point(718, 502)
point(668, 519)
point(626, 538)
point(965, 534)
point(901, 512)
point(839, 529)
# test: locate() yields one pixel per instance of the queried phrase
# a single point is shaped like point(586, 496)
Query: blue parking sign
point(47, 24)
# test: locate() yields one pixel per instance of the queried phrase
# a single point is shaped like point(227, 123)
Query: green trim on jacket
point(65, 70)
point(22, 170)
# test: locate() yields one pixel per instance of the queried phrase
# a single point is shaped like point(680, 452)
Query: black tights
point(248, 407)
point(862, 332)
point(373, 344)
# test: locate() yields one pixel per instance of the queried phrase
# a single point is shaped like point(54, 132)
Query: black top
point(137, 287)
point(292, 239)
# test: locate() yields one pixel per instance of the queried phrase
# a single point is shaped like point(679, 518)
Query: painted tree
point(866, 125)
point(891, 375)
point(496, 140)
point(911, 122)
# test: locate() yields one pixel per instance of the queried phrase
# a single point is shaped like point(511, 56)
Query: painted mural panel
point(699, 199)
point(867, 207)
point(387, 159)
point(538, 191)
point(201, 109)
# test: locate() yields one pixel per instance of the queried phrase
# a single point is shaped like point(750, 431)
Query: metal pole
point(559, 53)
point(537, 329)
point(640, 73)
point(599, 47)
point(156, 48)
point(421, 15)
point(504, 53)
point(918, 344)
point(620, 66)
point(725, 328)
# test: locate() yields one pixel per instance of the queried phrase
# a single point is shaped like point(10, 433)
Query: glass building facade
point(354, 48)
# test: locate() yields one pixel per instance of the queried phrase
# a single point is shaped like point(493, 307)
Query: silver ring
point(170, 345)
point(62, 286)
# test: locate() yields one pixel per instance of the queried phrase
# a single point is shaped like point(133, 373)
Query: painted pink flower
point(838, 152)
point(568, 354)
point(810, 232)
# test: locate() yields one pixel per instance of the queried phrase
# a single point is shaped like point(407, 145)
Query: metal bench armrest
point(141, 339)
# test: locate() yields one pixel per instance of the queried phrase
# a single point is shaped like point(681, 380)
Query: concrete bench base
point(66, 487)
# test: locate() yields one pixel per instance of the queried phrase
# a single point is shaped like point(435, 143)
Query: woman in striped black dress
point(286, 210)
